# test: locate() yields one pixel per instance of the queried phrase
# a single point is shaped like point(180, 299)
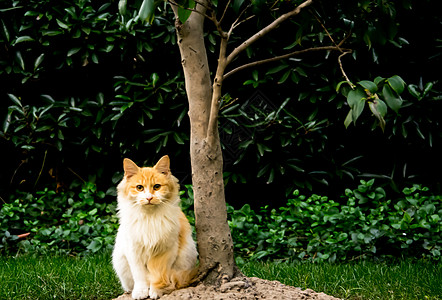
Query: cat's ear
point(130, 168)
point(163, 165)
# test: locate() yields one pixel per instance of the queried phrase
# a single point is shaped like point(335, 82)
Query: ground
point(243, 289)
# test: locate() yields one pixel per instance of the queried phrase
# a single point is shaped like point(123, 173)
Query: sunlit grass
point(58, 277)
point(404, 279)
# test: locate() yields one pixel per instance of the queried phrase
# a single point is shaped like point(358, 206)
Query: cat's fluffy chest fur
point(154, 251)
point(150, 228)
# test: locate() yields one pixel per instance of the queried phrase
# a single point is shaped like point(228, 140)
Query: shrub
point(366, 224)
point(74, 222)
point(362, 224)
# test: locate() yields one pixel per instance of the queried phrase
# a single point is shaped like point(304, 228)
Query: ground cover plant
point(363, 223)
point(78, 221)
point(92, 277)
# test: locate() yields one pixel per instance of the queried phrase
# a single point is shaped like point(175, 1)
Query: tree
point(205, 96)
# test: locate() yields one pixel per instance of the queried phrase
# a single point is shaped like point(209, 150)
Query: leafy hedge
point(63, 223)
point(363, 223)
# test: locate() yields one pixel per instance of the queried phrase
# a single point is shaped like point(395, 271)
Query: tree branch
point(342, 68)
point(212, 129)
point(276, 58)
point(325, 29)
point(225, 10)
point(237, 22)
point(266, 30)
point(217, 24)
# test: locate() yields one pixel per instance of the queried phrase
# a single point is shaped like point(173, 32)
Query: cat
point(154, 252)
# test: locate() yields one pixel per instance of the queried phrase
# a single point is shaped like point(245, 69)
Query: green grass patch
point(361, 280)
point(92, 277)
point(58, 277)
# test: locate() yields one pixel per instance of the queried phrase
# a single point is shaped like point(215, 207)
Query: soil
point(250, 288)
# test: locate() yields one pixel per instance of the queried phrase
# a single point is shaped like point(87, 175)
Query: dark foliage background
point(83, 86)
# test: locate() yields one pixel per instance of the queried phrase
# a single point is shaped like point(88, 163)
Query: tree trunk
point(215, 245)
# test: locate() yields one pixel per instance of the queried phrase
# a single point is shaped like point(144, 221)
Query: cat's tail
point(183, 278)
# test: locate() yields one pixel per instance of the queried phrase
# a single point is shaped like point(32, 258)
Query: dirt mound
point(243, 289)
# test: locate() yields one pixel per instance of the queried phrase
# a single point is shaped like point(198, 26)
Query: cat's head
point(149, 187)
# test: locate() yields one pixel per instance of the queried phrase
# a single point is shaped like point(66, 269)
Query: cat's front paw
point(154, 293)
point(140, 293)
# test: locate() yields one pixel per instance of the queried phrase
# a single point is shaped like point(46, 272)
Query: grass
point(362, 280)
point(57, 277)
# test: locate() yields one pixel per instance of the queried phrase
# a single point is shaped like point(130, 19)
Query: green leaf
point(62, 25)
point(427, 88)
point(284, 77)
point(356, 100)
point(393, 101)
point(69, 10)
point(369, 85)
point(378, 80)
point(147, 10)
point(407, 218)
point(348, 119)
point(51, 32)
point(379, 109)
point(154, 77)
point(276, 69)
point(19, 59)
point(185, 12)
point(95, 245)
point(122, 4)
point(397, 84)
point(357, 111)
point(301, 71)
point(73, 51)
point(263, 170)
point(414, 91)
point(262, 148)
point(271, 176)
point(354, 96)
point(237, 5)
point(152, 139)
point(338, 86)
point(22, 39)
point(15, 100)
point(38, 61)
point(177, 138)
point(5, 30)
point(44, 128)
point(47, 98)
point(7, 122)
point(255, 75)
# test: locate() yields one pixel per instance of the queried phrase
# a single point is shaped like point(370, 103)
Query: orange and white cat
point(154, 251)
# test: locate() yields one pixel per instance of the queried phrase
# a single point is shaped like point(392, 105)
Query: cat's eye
point(139, 188)
point(156, 187)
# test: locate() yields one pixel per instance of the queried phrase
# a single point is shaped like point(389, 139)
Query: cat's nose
point(149, 197)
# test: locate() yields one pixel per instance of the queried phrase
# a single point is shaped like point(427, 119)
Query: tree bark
point(215, 245)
